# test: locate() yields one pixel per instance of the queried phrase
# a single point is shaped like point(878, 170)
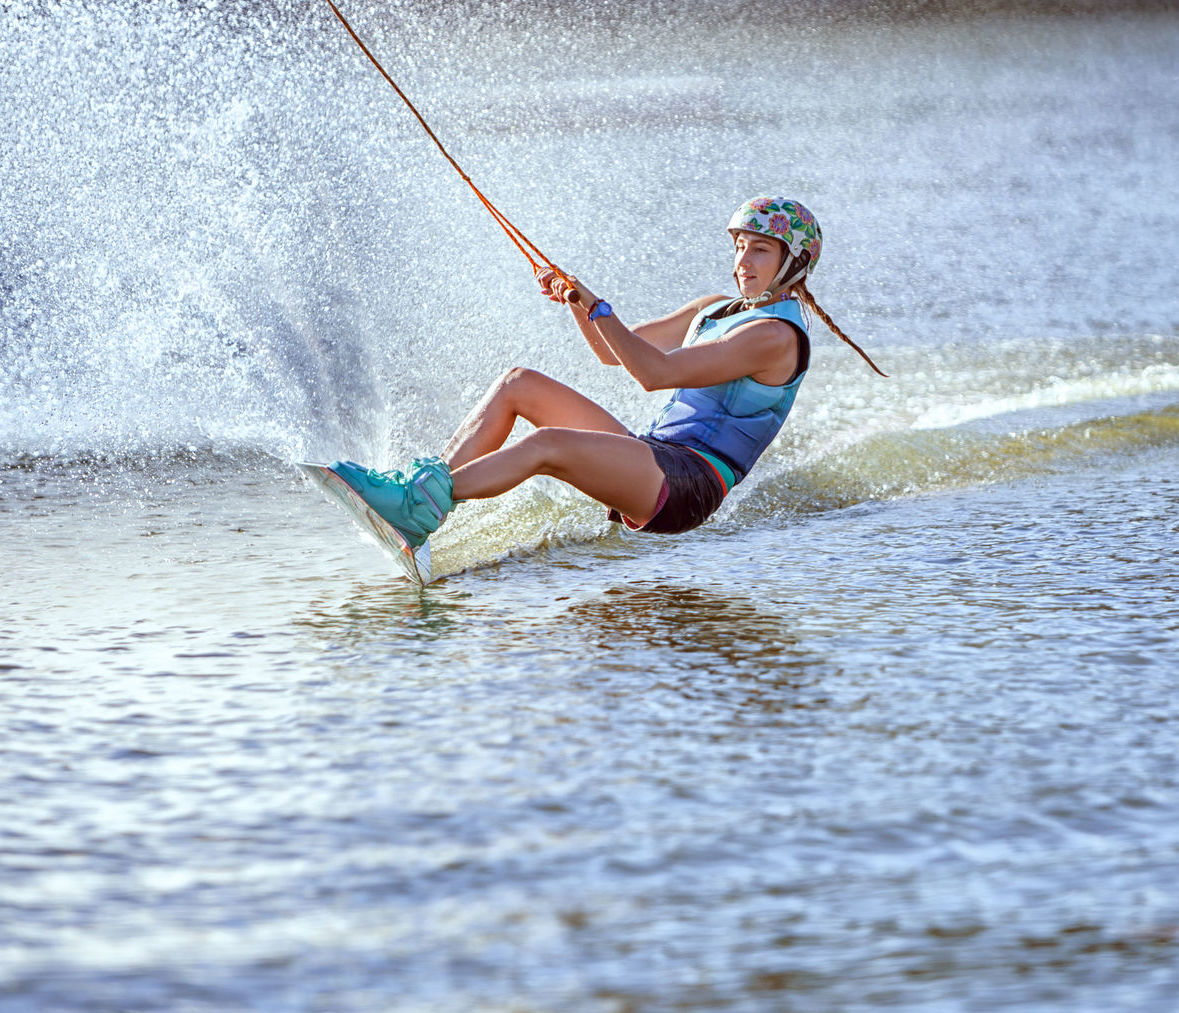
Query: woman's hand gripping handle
point(562, 289)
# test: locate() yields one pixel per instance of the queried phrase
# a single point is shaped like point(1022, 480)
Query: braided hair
point(799, 290)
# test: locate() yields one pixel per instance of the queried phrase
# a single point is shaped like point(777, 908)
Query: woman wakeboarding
point(734, 367)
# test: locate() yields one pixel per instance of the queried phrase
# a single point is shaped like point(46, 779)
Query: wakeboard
point(415, 563)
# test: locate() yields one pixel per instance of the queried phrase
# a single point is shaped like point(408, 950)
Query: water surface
point(895, 730)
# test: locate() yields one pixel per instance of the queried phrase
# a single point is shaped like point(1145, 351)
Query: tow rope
point(523, 243)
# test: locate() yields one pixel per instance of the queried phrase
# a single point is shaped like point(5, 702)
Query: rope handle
point(513, 233)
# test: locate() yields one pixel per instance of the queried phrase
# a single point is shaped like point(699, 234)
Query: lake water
point(897, 729)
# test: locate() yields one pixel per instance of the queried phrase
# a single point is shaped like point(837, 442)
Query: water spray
point(523, 243)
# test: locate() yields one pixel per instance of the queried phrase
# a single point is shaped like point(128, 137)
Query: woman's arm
point(665, 333)
point(669, 332)
point(766, 350)
point(590, 333)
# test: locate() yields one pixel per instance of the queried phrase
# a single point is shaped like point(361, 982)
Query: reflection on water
point(645, 638)
point(690, 636)
point(685, 619)
point(391, 611)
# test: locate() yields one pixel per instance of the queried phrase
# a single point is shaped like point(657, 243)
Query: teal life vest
point(732, 423)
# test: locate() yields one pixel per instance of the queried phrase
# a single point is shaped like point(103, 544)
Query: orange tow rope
point(514, 234)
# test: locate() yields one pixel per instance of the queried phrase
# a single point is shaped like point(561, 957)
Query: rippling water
point(896, 730)
point(915, 753)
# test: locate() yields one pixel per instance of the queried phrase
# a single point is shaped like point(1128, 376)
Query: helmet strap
point(792, 270)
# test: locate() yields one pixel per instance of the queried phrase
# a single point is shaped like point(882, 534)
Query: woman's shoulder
point(690, 311)
point(707, 300)
point(772, 326)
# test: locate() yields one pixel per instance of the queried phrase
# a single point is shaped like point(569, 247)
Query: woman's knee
point(528, 391)
point(549, 447)
point(521, 376)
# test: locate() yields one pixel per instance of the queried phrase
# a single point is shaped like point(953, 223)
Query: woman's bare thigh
point(534, 397)
point(544, 401)
point(615, 469)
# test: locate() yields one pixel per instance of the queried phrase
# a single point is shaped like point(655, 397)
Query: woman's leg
point(526, 394)
point(615, 469)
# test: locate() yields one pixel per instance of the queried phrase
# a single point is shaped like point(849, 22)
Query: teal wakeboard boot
point(416, 506)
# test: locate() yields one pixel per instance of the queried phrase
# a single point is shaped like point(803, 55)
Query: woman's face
point(756, 259)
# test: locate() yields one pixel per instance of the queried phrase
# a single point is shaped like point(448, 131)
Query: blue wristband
point(601, 309)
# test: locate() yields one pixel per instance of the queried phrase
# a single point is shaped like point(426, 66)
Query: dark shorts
point(691, 492)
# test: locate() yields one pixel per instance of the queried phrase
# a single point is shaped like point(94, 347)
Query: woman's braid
point(799, 288)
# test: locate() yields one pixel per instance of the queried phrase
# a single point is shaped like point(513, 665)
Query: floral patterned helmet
point(785, 220)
